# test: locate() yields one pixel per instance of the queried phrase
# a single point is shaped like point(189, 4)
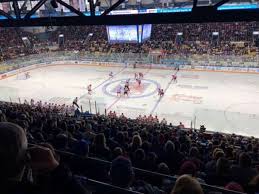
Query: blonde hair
point(186, 184)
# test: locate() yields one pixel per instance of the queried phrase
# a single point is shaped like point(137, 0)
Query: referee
point(75, 102)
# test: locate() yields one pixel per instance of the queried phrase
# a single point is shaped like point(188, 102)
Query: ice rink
point(225, 102)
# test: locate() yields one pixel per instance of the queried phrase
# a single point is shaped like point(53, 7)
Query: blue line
point(109, 78)
point(157, 103)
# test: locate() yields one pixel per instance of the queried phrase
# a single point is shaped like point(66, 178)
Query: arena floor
point(225, 102)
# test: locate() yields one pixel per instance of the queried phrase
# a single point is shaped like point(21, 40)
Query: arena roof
point(15, 13)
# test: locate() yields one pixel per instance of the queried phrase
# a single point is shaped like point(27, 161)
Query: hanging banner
point(82, 5)
point(6, 6)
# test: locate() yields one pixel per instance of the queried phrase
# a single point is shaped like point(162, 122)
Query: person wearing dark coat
point(18, 164)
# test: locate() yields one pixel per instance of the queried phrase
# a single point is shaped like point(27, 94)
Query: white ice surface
point(225, 102)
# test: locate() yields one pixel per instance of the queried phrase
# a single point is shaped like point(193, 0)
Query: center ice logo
point(147, 88)
point(134, 87)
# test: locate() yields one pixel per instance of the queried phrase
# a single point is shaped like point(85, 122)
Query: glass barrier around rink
point(76, 56)
point(227, 121)
point(217, 60)
point(131, 58)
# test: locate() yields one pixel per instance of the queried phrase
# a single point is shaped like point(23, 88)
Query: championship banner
point(6, 6)
point(64, 8)
point(75, 4)
point(82, 5)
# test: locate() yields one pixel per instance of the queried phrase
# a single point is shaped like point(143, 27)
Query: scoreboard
point(129, 33)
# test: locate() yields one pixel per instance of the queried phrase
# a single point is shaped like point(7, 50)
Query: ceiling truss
point(198, 14)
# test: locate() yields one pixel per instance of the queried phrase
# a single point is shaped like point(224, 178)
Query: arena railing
point(139, 173)
point(98, 186)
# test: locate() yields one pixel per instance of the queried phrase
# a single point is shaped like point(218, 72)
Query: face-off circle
point(147, 88)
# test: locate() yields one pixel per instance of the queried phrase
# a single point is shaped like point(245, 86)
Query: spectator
point(243, 173)
point(117, 152)
point(121, 172)
point(189, 168)
point(81, 148)
point(164, 183)
point(222, 175)
point(136, 143)
point(2, 116)
point(15, 156)
point(172, 157)
point(254, 185)
point(186, 184)
point(194, 156)
point(139, 158)
point(210, 167)
point(99, 148)
point(61, 142)
point(163, 169)
point(234, 187)
point(151, 161)
point(88, 134)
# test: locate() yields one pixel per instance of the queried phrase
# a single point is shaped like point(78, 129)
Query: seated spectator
point(61, 142)
point(120, 140)
point(99, 148)
point(210, 167)
point(139, 158)
point(189, 168)
point(194, 156)
point(2, 116)
point(122, 174)
point(146, 146)
point(151, 161)
point(253, 186)
point(222, 175)
point(185, 184)
point(172, 157)
point(136, 143)
point(165, 184)
point(163, 169)
point(117, 152)
point(243, 173)
point(15, 156)
point(81, 148)
point(234, 187)
point(168, 158)
point(88, 134)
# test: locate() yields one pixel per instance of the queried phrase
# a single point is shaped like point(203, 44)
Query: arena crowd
point(234, 39)
point(194, 157)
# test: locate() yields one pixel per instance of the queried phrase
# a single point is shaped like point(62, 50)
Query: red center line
point(110, 78)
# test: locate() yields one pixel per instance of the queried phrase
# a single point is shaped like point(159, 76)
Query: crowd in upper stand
point(234, 38)
point(228, 161)
point(197, 39)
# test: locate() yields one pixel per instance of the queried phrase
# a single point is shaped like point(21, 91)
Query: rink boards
point(209, 95)
point(153, 66)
